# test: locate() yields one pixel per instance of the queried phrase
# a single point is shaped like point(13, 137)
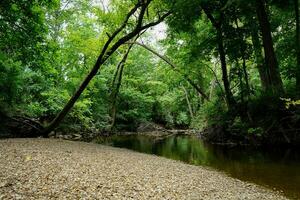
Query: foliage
point(289, 102)
point(210, 114)
point(48, 47)
point(9, 76)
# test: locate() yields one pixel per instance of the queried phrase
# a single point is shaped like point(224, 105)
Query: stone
point(51, 134)
point(77, 137)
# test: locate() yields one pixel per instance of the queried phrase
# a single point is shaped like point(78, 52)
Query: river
point(275, 168)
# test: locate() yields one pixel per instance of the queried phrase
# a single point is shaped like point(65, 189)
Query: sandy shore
point(60, 169)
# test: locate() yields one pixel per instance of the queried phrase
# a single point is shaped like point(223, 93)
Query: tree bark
point(116, 87)
point(296, 5)
point(188, 102)
point(243, 55)
point(106, 52)
point(218, 26)
point(216, 81)
point(270, 56)
point(262, 69)
point(226, 83)
point(248, 89)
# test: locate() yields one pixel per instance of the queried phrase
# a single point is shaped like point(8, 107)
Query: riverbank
point(55, 169)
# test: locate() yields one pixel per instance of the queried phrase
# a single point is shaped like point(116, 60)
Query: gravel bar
point(60, 169)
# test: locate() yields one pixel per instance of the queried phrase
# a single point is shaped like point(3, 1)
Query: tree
point(262, 69)
point(116, 84)
point(274, 77)
point(107, 51)
point(217, 21)
point(296, 5)
point(175, 68)
point(218, 25)
point(22, 36)
point(211, 65)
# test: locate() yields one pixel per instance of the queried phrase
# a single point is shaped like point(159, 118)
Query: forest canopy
point(226, 66)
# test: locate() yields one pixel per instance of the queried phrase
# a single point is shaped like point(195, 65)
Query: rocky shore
point(62, 169)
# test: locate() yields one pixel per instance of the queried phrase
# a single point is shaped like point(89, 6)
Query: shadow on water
point(277, 169)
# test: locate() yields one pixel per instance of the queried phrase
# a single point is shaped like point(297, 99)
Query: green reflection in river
point(274, 168)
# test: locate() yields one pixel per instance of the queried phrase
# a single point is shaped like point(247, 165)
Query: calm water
point(277, 169)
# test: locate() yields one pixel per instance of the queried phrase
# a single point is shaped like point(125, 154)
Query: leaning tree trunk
point(116, 87)
point(106, 52)
point(270, 56)
point(296, 5)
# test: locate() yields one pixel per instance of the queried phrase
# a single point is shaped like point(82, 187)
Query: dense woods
point(229, 69)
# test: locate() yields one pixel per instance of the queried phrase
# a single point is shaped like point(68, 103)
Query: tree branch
point(106, 52)
point(174, 67)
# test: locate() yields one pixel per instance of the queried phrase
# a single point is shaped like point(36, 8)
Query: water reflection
point(275, 168)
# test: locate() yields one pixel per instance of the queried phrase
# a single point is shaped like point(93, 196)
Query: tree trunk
point(113, 100)
point(248, 90)
point(213, 84)
point(262, 69)
point(188, 102)
point(226, 83)
point(243, 53)
point(106, 52)
point(240, 74)
point(113, 96)
point(270, 56)
point(296, 5)
point(116, 86)
point(216, 80)
point(218, 26)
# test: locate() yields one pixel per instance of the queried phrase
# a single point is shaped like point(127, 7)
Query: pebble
point(61, 169)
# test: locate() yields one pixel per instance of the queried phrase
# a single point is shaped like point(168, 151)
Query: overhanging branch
point(174, 67)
